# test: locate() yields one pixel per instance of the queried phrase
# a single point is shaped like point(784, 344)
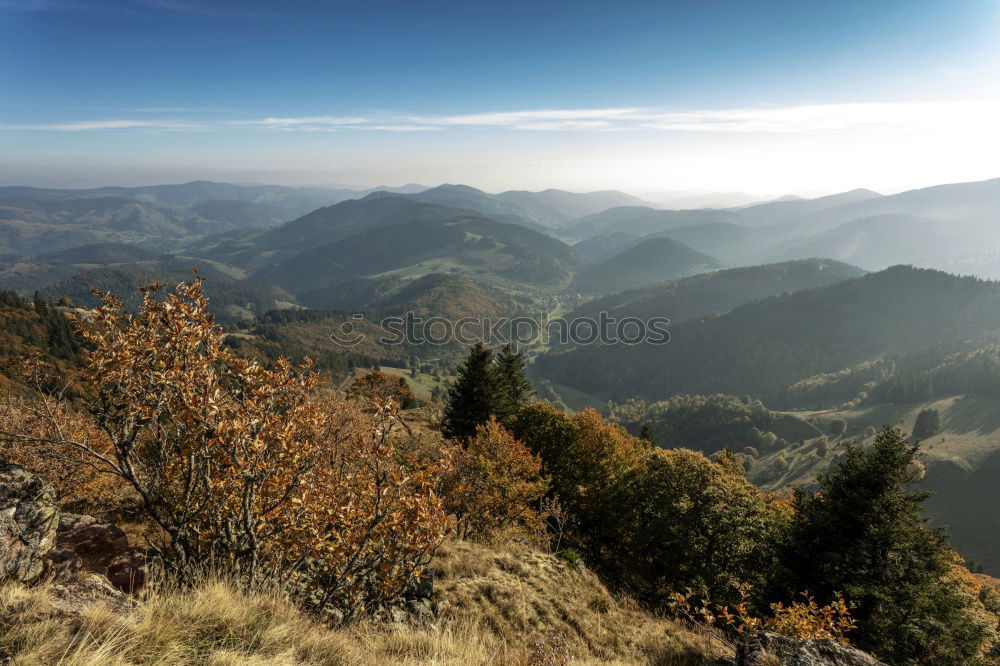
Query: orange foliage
point(381, 386)
point(33, 433)
point(808, 620)
point(804, 620)
point(495, 482)
point(245, 466)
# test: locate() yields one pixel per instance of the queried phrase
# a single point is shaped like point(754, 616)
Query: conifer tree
point(472, 399)
point(864, 535)
point(928, 424)
point(646, 432)
point(512, 387)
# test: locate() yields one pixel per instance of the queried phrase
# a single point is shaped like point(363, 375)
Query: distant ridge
point(765, 347)
point(653, 260)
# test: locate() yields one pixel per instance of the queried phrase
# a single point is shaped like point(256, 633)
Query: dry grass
point(501, 600)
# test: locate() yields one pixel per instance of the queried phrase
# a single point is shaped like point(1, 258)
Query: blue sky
point(758, 96)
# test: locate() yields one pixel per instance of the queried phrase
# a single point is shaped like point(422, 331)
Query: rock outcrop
point(101, 548)
point(28, 521)
point(763, 648)
point(37, 542)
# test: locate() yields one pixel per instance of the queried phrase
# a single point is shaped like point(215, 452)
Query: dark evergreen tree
point(41, 306)
point(928, 424)
point(864, 535)
point(472, 399)
point(512, 387)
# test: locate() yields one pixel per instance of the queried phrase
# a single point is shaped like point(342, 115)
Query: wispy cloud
point(784, 119)
point(89, 125)
point(814, 118)
point(306, 123)
point(183, 109)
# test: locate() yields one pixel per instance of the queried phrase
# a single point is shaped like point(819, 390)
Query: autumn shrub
point(381, 386)
point(35, 425)
point(584, 456)
point(495, 485)
point(689, 522)
point(244, 466)
point(366, 524)
point(807, 620)
point(803, 620)
point(33, 434)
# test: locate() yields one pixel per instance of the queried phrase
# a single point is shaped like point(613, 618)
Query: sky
point(763, 96)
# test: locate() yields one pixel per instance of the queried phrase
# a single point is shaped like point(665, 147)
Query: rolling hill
point(643, 221)
point(540, 210)
point(99, 253)
point(766, 347)
point(785, 209)
point(157, 217)
point(604, 247)
point(474, 246)
point(876, 243)
point(33, 227)
point(717, 291)
point(957, 201)
point(653, 260)
point(230, 299)
point(947, 227)
point(727, 242)
point(290, 201)
point(961, 462)
point(433, 294)
point(322, 226)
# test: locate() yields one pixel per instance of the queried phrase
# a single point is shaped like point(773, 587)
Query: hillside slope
point(653, 260)
point(644, 221)
point(962, 463)
point(465, 244)
point(717, 291)
point(493, 607)
point(540, 210)
point(764, 348)
point(160, 218)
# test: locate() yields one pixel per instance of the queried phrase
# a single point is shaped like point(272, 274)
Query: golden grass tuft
point(499, 601)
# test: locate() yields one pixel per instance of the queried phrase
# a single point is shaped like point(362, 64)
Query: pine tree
point(472, 399)
point(928, 424)
point(646, 432)
point(513, 388)
point(864, 535)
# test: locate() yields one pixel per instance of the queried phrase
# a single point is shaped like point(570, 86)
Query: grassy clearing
point(500, 602)
point(422, 385)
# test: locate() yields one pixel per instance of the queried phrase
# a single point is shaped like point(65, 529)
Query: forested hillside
point(716, 291)
point(653, 260)
point(765, 348)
